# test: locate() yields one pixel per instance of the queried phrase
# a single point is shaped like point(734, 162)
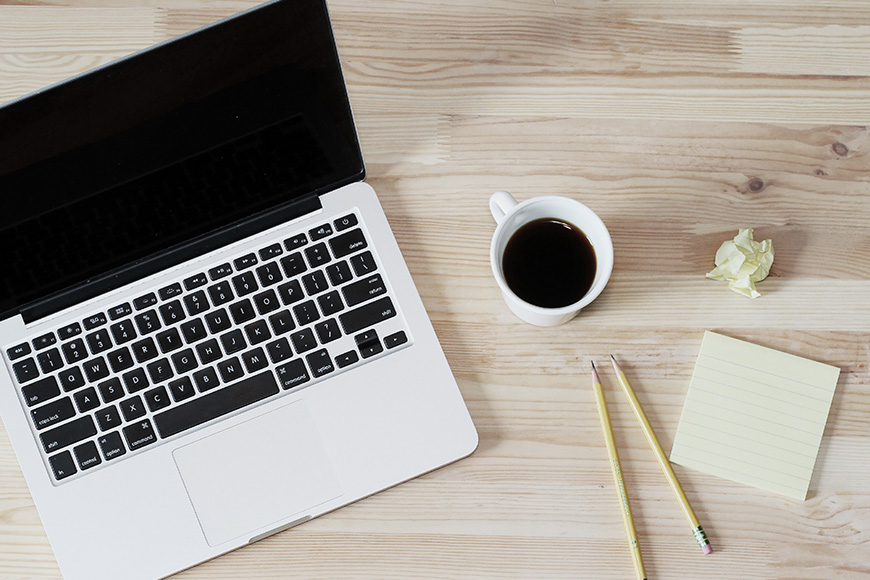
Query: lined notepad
point(755, 415)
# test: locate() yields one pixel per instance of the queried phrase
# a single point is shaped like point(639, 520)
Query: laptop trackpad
point(260, 473)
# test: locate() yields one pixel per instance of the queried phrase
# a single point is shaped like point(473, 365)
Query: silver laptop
point(208, 332)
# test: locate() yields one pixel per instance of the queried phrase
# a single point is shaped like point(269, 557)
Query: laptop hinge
point(158, 262)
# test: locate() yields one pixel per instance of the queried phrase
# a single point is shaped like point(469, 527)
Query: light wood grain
point(678, 122)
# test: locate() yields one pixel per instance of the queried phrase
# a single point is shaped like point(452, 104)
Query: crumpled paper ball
point(742, 262)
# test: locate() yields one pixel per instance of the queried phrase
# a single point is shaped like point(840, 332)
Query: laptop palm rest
point(263, 472)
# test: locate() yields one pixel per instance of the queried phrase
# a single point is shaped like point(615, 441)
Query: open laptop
point(208, 332)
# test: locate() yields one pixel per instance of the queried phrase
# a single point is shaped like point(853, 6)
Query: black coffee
point(549, 263)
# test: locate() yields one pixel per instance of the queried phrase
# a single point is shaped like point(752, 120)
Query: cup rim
point(590, 295)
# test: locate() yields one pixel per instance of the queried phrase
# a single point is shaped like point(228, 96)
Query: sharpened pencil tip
point(593, 364)
point(611, 358)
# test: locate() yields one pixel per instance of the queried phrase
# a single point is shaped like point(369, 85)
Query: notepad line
point(813, 445)
point(731, 362)
point(742, 378)
point(767, 443)
point(690, 461)
point(696, 389)
point(750, 463)
point(742, 451)
point(765, 419)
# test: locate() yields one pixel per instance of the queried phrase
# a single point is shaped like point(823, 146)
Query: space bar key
point(216, 404)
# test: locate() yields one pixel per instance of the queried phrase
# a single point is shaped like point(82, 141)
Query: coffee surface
point(549, 262)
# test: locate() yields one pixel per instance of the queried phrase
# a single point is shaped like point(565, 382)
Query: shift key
point(67, 434)
point(368, 315)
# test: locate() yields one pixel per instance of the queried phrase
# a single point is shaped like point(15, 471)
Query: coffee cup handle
point(500, 204)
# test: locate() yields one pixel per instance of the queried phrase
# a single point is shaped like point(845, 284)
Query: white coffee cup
point(510, 216)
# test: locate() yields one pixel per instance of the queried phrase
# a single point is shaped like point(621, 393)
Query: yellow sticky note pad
point(755, 415)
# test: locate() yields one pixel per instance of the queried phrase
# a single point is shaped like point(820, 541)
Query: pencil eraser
point(707, 549)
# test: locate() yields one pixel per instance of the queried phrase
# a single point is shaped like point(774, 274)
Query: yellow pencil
point(663, 460)
point(617, 474)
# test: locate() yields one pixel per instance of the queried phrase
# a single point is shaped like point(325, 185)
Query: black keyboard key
point(279, 350)
point(108, 418)
point(160, 370)
point(62, 465)
point(269, 274)
point(196, 303)
point(245, 261)
point(367, 315)
point(132, 408)
point(40, 391)
point(87, 455)
point(50, 360)
point(146, 301)
point(327, 331)
point(226, 400)
point(208, 351)
point(92, 322)
point(96, 369)
point(112, 390)
point(295, 242)
point(255, 360)
point(182, 388)
point(233, 341)
point(330, 303)
point(363, 290)
point(396, 339)
point(74, 351)
point(120, 311)
point(68, 434)
point(44, 341)
point(315, 282)
point(306, 312)
point(320, 232)
point(218, 321)
point(206, 379)
point(282, 322)
point(242, 311)
point(266, 302)
point(346, 359)
point(220, 293)
point(157, 399)
point(123, 331)
point(170, 291)
point(290, 292)
point(303, 340)
point(99, 341)
point(111, 445)
point(135, 380)
point(221, 271)
point(70, 331)
point(148, 322)
point(71, 379)
point(120, 360)
point(184, 361)
point(292, 374)
point(320, 363)
point(139, 434)
point(53, 412)
point(169, 340)
point(193, 330)
point(231, 369)
point(16, 352)
point(270, 252)
point(87, 400)
point(348, 243)
point(345, 222)
point(363, 264)
point(317, 255)
point(293, 264)
point(339, 273)
point(172, 312)
point(25, 370)
point(195, 281)
point(258, 332)
point(144, 350)
point(369, 344)
point(245, 284)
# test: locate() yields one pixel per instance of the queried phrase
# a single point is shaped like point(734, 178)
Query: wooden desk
point(678, 122)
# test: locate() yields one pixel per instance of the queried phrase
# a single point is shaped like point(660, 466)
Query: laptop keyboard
point(244, 331)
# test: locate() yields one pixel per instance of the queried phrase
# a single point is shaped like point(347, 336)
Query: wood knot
point(840, 149)
point(756, 184)
point(821, 172)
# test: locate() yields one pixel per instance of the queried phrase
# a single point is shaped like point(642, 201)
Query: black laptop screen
point(162, 148)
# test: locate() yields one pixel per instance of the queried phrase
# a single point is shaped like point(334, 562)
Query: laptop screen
point(235, 121)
